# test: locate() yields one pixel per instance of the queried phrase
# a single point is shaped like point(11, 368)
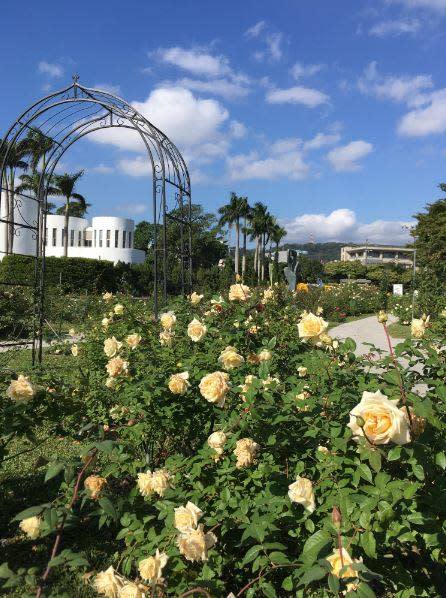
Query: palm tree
point(231, 214)
point(258, 222)
point(76, 210)
point(39, 145)
point(65, 185)
point(15, 154)
point(245, 213)
point(277, 234)
point(31, 183)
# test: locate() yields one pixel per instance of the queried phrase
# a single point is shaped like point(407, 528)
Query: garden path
point(366, 330)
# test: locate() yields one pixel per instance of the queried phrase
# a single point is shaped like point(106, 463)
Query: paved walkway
point(366, 330)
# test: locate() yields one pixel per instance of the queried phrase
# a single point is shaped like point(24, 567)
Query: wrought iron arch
point(65, 117)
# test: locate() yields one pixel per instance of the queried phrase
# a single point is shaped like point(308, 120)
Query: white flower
point(196, 330)
point(195, 298)
point(107, 583)
point(187, 518)
point(301, 491)
point(151, 569)
point(111, 346)
point(118, 309)
point(168, 320)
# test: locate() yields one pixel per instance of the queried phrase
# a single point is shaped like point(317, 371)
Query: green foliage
point(390, 497)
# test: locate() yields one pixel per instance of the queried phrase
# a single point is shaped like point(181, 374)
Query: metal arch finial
point(75, 78)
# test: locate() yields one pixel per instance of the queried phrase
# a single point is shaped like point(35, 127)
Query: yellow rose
point(107, 583)
point(111, 346)
point(323, 449)
point(31, 527)
point(74, 350)
point(110, 383)
point(302, 287)
point(418, 327)
point(239, 292)
point(118, 309)
point(311, 327)
point(265, 355)
point(301, 491)
point(105, 322)
point(72, 332)
point(337, 564)
point(130, 590)
point(133, 340)
point(302, 371)
point(94, 485)
point(217, 441)
point(383, 421)
point(107, 296)
point(151, 569)
point(214, 387)
point(230, 359)
point(166, 337)
point(21, 390)
point(253, 329)
point(382, 316)
point(117, 366)
point(168, 320)
point(245, 451)
point(195, 298)
point(270, 381)
point(267, 295)
point(187, 518)
point(194, 544)
point(179, 383)
point(196, 330)
point(154, 483)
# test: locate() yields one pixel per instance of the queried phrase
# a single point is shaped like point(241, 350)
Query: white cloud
point(233, 88)
point(197, 61)
point(439, 5)
point(397, 88)
point(138, 166)
point(133, 208)
point(300, 70)
point(237, 129)
point(322, 140)
point(297, 95)
point(50, 68)
point(113, 89)
point(343, 225)
point(395, 27)
point(255, 30)
point(284, 161)
point(192, 123)
point(428, 119)
point(274, 46)
point(345, 157)
point(102, 169)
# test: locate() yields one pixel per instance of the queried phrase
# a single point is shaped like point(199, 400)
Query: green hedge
point(70, 273)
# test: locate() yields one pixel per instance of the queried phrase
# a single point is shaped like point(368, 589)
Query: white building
point(104, 238)
point(378, 254)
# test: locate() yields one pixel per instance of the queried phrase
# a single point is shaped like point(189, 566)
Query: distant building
point(283, 255)
point(104, 238)
point(378, 254)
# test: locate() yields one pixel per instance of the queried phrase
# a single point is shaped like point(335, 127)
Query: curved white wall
point(25, 213)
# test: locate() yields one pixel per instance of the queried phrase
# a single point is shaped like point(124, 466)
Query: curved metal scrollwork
point(64, 117)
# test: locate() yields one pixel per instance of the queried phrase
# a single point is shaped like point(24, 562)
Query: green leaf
point(365, 591)
point(365, 472)
point(418, 471)
point(440, 460)
point(53, 470)
point(268, 590)
point(375, 460)
point(106, 446)
point(349, 344)
point(251, 554)
point(30, 512)
point(314, 545)
point(312, 574)
point(287, 584)
point(333, 584)
point(368, 542)
point(108, 507)
point(394, 453)
point(279, 558)
point(5, 571)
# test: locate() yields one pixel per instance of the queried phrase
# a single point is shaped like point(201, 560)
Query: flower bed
point(234, 448)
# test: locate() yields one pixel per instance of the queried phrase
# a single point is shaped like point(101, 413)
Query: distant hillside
point(325, 252)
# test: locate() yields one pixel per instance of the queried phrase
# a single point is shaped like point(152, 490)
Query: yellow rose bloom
point(179, 383)
point(230, 359)
point(301, 492)
point(168, 320)
point(154, 483)
point(74, 350)
point(94, 485)
point(107, 296)
point(195, 298)
point(118, 309)
point(265, 355)
point(111, 346)
point(214, 387)
point(383, 421)
point(311, 327)
point(194, 544)
point(187, 518)
point(107, 583)
point(133, 340)
point(239, 292)
point(337, 564)
point(31, 527)
point(302, 287)
point(130, 590)
point(21, 390)
point(166, 337)
point(418, 327)
point(245, 451)
point(116, 366)
point(151, 569)
point(196, 330)
point(217, 441)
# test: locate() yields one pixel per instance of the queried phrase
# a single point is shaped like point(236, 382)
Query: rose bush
point(297, 470)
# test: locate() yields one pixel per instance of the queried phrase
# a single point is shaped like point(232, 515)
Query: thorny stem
point(62, 523)
point(400, 378)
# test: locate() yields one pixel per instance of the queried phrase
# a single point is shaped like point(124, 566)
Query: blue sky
point(332, 113)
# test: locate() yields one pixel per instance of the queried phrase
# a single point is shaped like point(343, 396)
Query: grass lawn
point(332, 324)
point(397, 330)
